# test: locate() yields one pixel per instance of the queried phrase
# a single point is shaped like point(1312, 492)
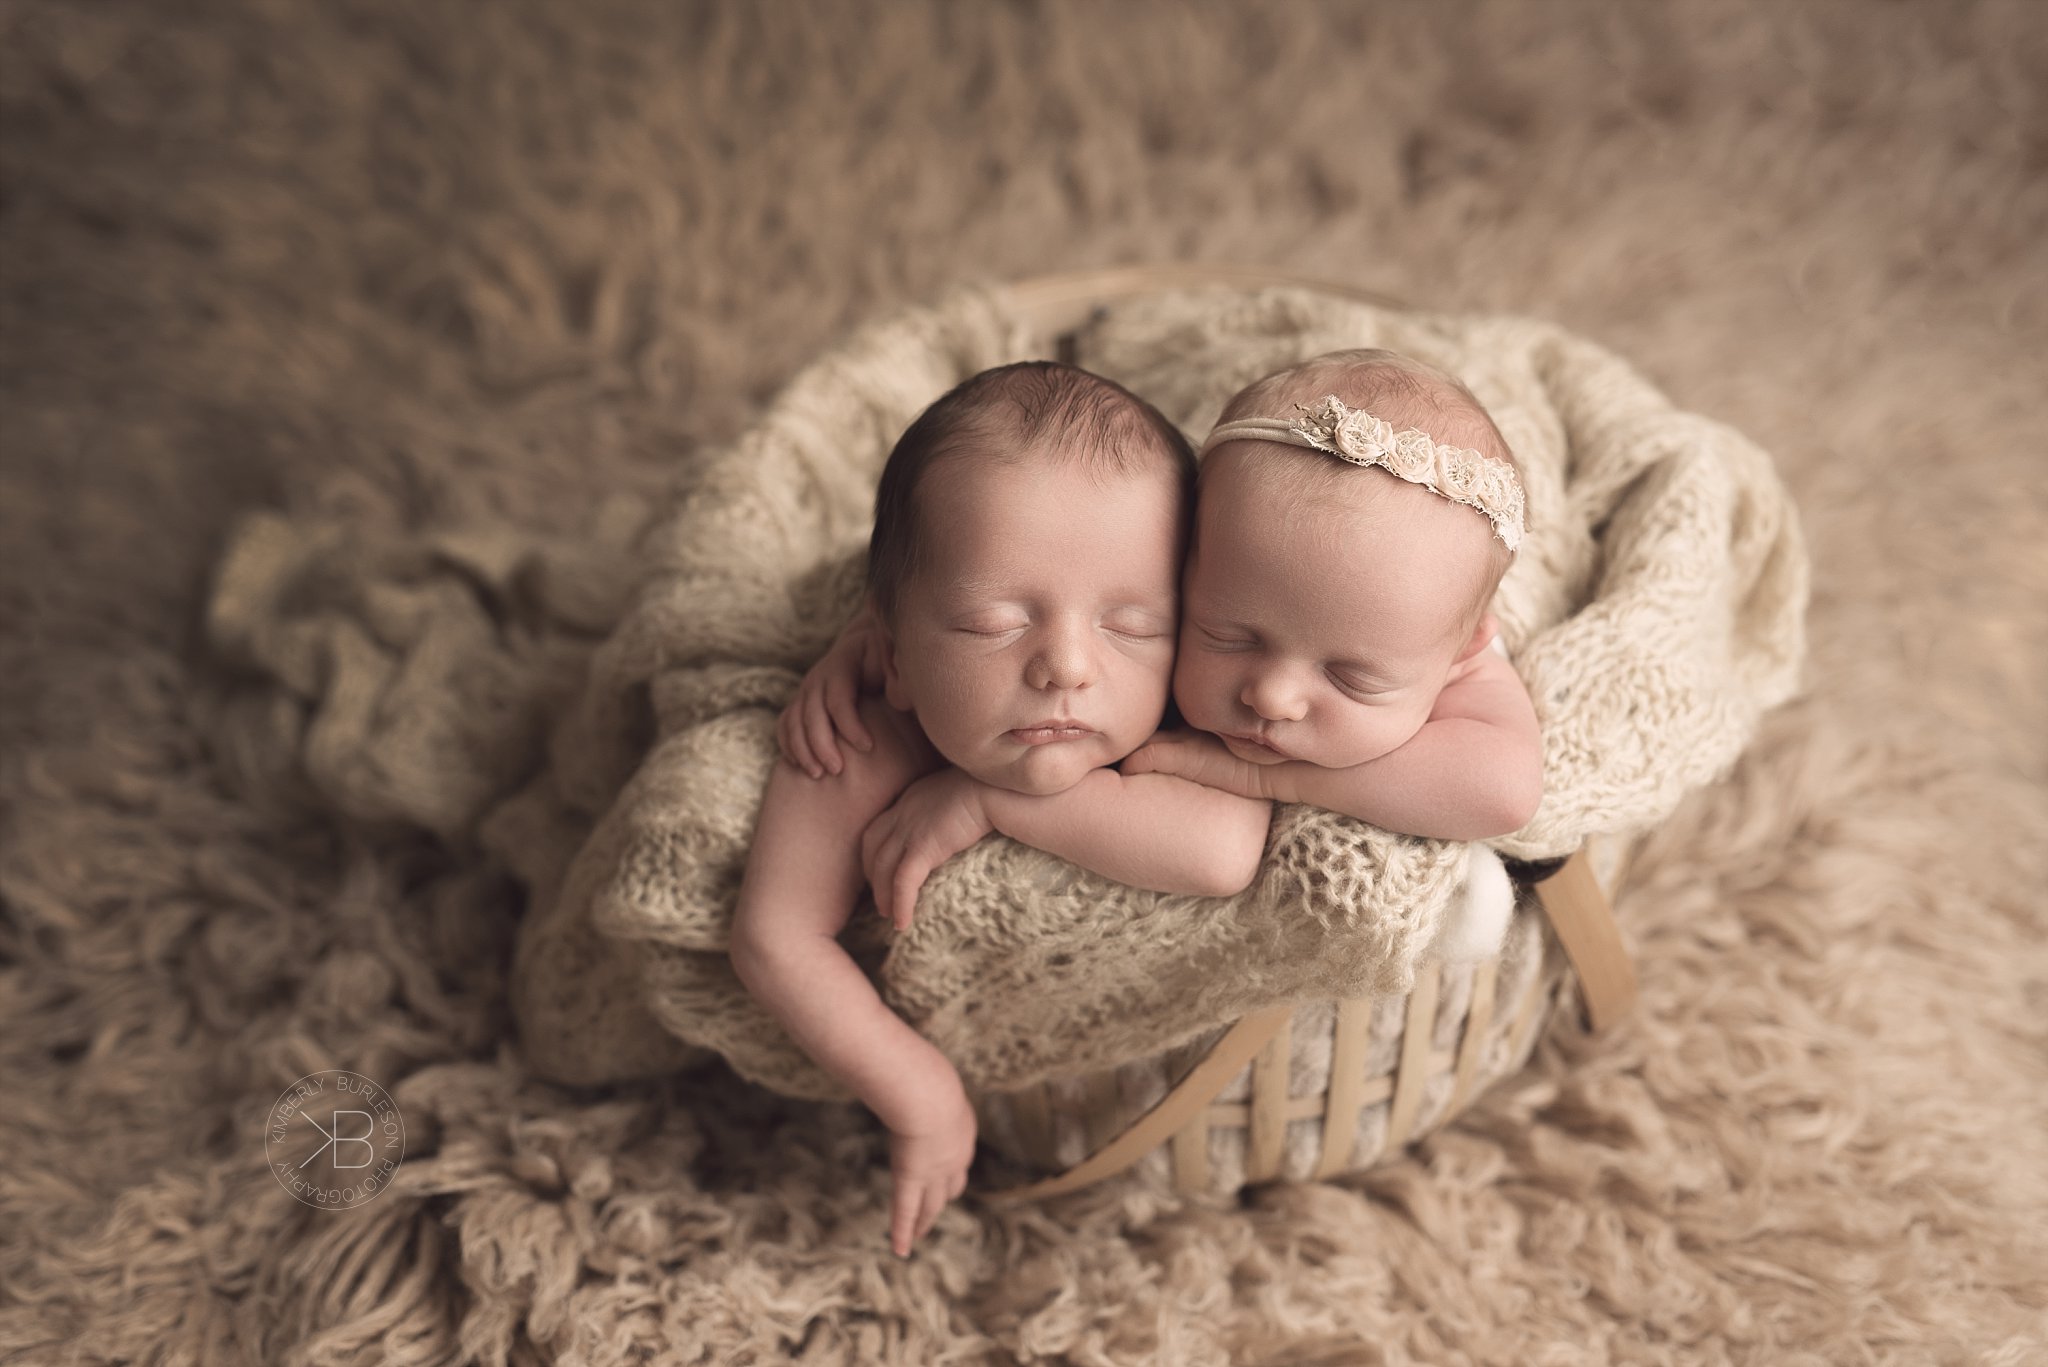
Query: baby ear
point(893, 690)
point(1482, 636)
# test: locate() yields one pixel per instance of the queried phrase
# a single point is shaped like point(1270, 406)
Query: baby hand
point(936, 817)
point(828, 697)
point(929, 1154)
point(1200, 758)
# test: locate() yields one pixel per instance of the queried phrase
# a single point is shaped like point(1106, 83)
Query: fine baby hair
point(1052, 410)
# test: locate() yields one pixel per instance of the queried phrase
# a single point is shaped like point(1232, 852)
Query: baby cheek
point(1151, 673)
point(1195, 686)
point(1376, 733)
point(1134, 722)
point(954, 699)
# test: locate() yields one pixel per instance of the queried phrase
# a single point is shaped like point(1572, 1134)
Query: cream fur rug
point(460, 265)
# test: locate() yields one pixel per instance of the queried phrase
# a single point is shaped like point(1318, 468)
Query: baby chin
point(1038, 764)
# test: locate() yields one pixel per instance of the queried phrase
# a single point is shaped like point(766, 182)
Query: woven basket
point(1312, 1090)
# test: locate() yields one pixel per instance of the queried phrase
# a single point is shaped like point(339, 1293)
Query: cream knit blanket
point(1654, 611)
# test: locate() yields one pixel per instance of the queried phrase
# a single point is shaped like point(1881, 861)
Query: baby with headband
point(1023, 601)
point(1355, 514)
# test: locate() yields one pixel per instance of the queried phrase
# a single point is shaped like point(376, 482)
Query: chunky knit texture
point(1655, 611)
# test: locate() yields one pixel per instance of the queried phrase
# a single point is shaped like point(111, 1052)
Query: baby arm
point(1473, 771)
point(802, 879)
point(1150, 831)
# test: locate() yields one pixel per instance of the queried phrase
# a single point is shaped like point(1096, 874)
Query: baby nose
point(1271, 696)
point(1061, 661)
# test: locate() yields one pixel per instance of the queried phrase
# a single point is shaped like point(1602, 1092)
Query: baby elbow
point(1227, 881)
point(1518, 798)
point(1235, 866)
point(749, 956)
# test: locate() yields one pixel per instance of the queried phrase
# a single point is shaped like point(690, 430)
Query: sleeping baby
point(1020, 624)
point(1355, 515)
point(1336, 647)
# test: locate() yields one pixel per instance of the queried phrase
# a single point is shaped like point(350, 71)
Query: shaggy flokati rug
point(416, 270)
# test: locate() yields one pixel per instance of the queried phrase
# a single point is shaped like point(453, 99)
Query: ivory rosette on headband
point(1358, 438)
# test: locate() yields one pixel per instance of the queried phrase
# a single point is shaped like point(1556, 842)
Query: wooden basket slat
point(1478, 1015)
point(1411, 1074)
point(1347, 1085)
point(1269, 1105)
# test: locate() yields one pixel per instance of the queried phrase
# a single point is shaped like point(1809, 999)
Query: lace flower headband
point(1358, 438)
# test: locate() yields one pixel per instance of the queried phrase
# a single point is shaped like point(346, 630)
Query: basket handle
point(1225, 1060)
point(1584, 921)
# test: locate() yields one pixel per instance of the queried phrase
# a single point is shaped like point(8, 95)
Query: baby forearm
point(1150, 831)
point(1456, 780)
point(833, 1013)
point(802, 880)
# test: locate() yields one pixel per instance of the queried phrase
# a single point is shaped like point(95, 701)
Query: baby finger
point(819, 725)
point(873, 844)
point(844, 705)
point(795, 745)
point(904, 886)
point(906, 1209)
point(928, 1211)
point(882, 871)
point(878, 884)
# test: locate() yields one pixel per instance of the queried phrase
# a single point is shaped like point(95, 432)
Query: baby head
point(1024, 568)
point(1326, 604)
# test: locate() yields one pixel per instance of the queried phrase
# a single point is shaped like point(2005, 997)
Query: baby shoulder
point(1485, 687)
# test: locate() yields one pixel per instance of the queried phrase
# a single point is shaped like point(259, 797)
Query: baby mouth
point(1254, 749)
point(1051, 732)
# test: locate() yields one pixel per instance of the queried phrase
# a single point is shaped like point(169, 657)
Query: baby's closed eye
point(1358, 685)
point(991, 624)
point(1137, 624)
point(1224, 640)
point(1365, 687)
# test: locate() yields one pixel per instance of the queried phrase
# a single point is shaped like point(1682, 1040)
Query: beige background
point(444, 264)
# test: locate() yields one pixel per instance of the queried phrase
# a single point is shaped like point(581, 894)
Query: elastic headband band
point(1357, 437)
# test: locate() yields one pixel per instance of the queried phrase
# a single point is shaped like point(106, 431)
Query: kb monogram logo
point(334, 1139)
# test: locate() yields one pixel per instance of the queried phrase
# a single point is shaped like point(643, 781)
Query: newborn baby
point(1355, 514)
point(1020, 623)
